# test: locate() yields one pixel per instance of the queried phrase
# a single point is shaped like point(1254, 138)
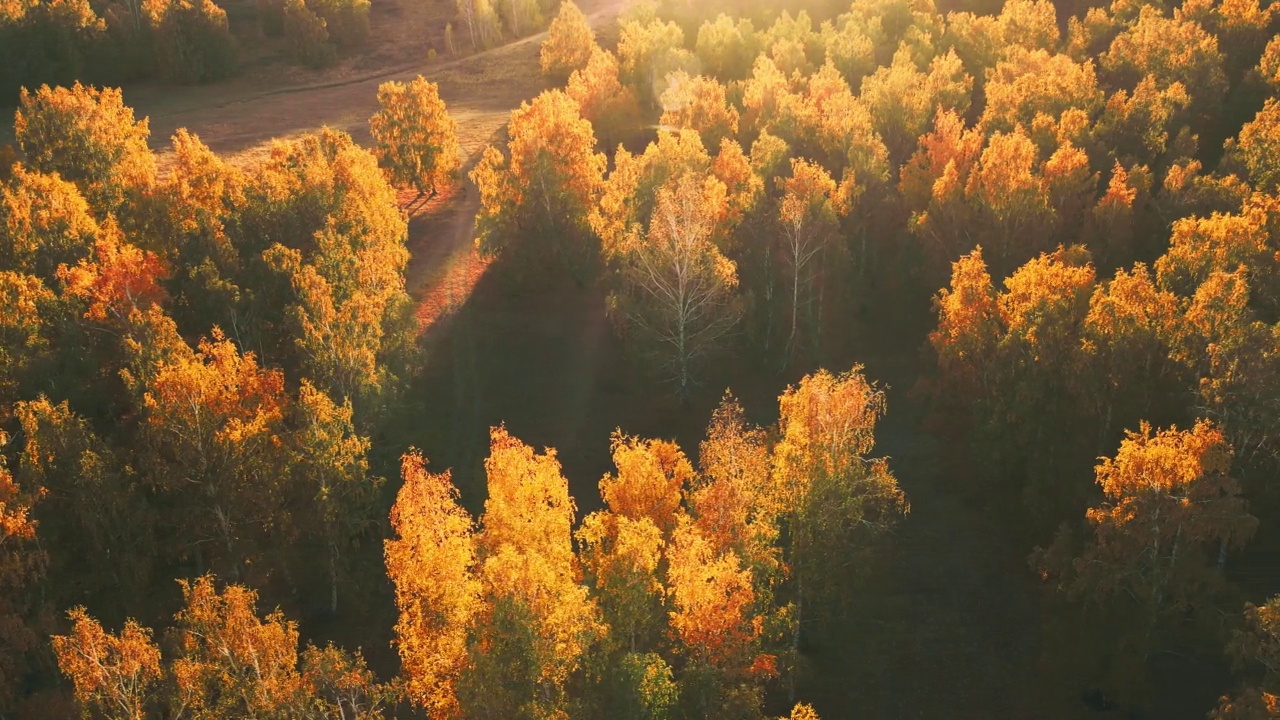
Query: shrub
point(308, 37)
point(192, 41)
point(46, 42)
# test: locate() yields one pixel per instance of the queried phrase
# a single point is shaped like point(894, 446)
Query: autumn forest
point(648, 360)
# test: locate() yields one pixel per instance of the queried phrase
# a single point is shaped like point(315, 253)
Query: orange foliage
point(122, 280)
point(711, 595)
point(89, 137)
point(611, 108)
point(569, 45)
point(651, 481)
point(113, 674)
point(1169, 503)
point(432, 562)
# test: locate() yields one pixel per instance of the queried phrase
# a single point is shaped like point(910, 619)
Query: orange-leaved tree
point(432, 562)
point(539, 621)
point(211, 445)
point(1148, 550)
point(415, 139)
point(569, 45)
point(835, 499)
point(44, 223)
point(90, 138)
point(612, 108)
point(113, 676)
point(536, 198)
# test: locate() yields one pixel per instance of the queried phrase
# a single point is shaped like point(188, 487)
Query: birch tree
point(678, 289)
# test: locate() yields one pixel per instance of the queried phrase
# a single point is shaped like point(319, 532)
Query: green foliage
point(308, 35)
point(347, 21)
point(192, 41)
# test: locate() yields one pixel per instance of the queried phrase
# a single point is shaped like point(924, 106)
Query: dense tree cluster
point(196, 364)
point(679, 599)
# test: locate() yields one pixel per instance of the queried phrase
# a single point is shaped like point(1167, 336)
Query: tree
point(481, 21)
point(647, 52)
point(1134, 127)
point(93, 510)
point(416, 141)
point(24, 348)
point(21, 560)
point(44, 223)
point(114, 676)
point(229, 661)
point(211, 446)
point(677, 287)
point(734, 502)
point(225, 661)
point(347, 21)
point(727, 48)
point(538, 615)
point(332, 468)
point(1255, 648)
point(569, 45)
point(336, 284)
point(1269, 65)
point(611, 108)
point(652, 478)
point(88, 137)
point(192, 40)
point(539, 195)
point(902, 99)
point(1029, 83)
point(308, 35)
point(808, 217)
point(1260, 150)
point(432, 562)
point(120, 281)
point(711, 597)
point(620, 557)
point(1171, 50)
point(699, 103)
point(1169, 507)
point(834, 498)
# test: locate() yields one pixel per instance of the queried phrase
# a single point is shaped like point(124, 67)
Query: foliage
point(308, 35)
point(89, 138)
point(536, 197)
point(416, 139)
point(677, 288)
point(347, 21)
point(569, 45)
point(612, 109)
point(193, 43)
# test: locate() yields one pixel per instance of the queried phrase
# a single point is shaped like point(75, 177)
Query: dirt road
point(480, 90)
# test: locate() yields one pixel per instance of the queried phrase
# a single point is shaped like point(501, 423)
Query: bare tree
point(678, 289)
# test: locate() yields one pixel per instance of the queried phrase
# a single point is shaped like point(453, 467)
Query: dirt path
point(480, 90)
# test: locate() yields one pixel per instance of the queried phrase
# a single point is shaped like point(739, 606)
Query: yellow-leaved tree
point(535, 199)
point(415, 139)
point(836, 499)
point(569, 45)
point(432, 562)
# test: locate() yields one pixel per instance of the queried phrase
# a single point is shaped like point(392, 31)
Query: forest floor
point(947, 627)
